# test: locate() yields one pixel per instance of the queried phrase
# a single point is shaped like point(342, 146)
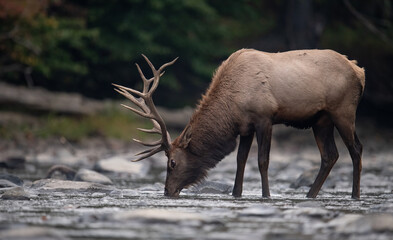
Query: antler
point(148, 110)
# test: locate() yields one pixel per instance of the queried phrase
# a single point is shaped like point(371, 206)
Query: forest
point(84, 46)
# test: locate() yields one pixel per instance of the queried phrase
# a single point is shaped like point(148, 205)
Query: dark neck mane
point(213, 125)
point(213, 133)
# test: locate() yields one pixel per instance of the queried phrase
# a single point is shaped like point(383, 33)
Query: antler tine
point(130, 97)
point(167, 64)
point(153, 130)
point(139, 94)
point(152, 144)
point(148, 153)
point(143, 114)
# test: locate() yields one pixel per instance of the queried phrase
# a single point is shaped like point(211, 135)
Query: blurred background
point(81, 47)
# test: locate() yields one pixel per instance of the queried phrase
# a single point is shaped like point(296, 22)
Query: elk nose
point(165, 192)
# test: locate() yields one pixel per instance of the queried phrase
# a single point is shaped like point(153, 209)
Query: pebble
point(306, 179)
point(87, 175)
point(11, 178)
point(31, 233)
point(7, 184)
point(122, 165)
point(259, 211)
point(366, 224)
point(14, 162)
point(312, 212)
point(16, 193)
point(153, 215)
point(46, 185)
point(212, 187)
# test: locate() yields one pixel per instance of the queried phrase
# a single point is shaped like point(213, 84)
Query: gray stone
point(212, 187)
point(45, 185)
point(31, 233)
point(11, 178)
point(13, 162)
point(122, 165)
point(312, 212)
point(309, 204)
point(366, 224)
point(16, 193)
point(7, 184)
point(259, 211)
point(87, 175)
point(305, 179)
point(160, 215)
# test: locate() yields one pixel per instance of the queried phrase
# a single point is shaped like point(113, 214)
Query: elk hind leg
point(324, 136)
point(346, 128)
point(242, 155)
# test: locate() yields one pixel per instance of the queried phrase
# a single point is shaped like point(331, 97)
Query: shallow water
point(137, 209)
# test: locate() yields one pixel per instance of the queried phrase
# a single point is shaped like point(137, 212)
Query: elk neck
point(213, 131)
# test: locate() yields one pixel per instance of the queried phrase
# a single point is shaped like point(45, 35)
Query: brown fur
point(253, 90)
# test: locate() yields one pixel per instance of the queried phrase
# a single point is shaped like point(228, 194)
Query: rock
point(31, 233)
point(69, 186)
point(366, 224)
point(121, 165)
point(7, 184)
point(16, 193)
point(312, 212)
point(61, 172)
point(13, 162)
point(160, 216)
point(309, 204)
point(293, 170)
point(87, 175)
point(11, 178)
point(306, 179)
point(259, 211)
point(212, 187)
point(63, 156)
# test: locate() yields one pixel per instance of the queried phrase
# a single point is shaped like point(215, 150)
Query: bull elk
point(249, 93)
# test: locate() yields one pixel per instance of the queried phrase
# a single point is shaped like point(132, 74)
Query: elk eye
point(173, 163)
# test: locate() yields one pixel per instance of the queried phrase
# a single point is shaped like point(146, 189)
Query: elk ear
point(185, 137)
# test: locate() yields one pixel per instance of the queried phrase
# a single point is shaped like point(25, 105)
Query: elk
point(249, 93)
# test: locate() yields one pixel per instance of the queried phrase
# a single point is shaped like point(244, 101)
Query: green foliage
point(109, 124)
point(86, 45)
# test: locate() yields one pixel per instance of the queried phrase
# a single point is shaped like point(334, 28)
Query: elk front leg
point(242, 155)
point(264, 135)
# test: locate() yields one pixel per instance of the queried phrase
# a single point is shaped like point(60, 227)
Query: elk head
point(182, 167)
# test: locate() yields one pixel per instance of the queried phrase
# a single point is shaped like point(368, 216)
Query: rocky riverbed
point(95, 192)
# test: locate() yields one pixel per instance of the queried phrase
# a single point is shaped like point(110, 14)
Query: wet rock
point(45, 185)
point(294, 170)
point(122, 165)
point(7, 184)
point(366, 224)
point(11, 178)
point(62, 156)
point(160, 216)
point(87, 175)
point(13, 162)
point(212, 187)
point(311, 212)
point(61, 172)
point(259, 211)
point(16, 193)
point(309, 204)
point(306, 179)
point(31, 233)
